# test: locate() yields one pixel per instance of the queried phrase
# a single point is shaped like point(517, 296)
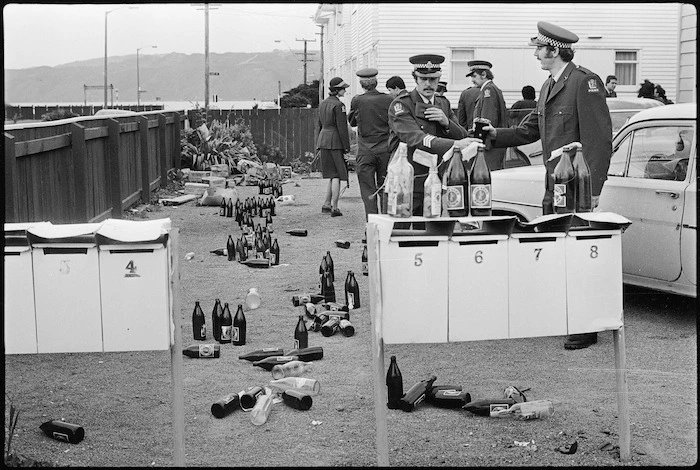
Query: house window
point(459, 67)
point(626, 67)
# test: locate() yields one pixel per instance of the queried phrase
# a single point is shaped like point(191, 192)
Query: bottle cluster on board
point(512, 403)
point(463, 189)
point(255, 247)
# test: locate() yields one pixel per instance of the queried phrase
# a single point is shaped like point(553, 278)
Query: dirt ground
point(123, 400)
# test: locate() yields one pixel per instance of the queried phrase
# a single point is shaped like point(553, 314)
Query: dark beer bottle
point(302, 299)
point(240, 252)
point(456, 182)
point(331, 266)
point(249, 397)
point(416, 394)
point(199, 329)
point(268, 223)
point(301, 334)
point(230, 248)
point(275, 253)
point(480, 185)
point(331, 326)
point(447, 396)
point(226, 325)
point(239, 327)
point(346, 327)
point(222, 207)
point(202, 351)
point(297, 399)
point(312, 353)
point(320, 320)
point(62, 431)
point(328, 289)
point(365, 268)
point(564, 184)
point(394, 384)
point(229, 208)
point(584, 194)
point(260, 354)
point(352, 291)
point(297, 232)
point(216, 313)
point(225, 405)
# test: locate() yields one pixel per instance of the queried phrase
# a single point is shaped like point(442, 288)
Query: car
point(621, 109)
point(651, 181)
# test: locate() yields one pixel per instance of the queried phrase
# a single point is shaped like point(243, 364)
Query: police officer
point(333, 143)
point(441, 89)
point(466, 104)
point(489, 105)
point(425, 121)
point(369, 112)
point(571, 108)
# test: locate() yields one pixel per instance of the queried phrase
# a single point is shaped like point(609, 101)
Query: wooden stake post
point(379, 228)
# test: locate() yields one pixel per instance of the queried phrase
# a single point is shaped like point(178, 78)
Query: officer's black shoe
point(580, 341)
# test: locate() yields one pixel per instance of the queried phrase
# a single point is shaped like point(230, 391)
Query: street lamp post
point(138, 79)
point(105, 72)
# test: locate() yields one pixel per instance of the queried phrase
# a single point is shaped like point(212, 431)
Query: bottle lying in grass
point(269, 362)
point(226, 405)
point(485, 406)
point(526, 410)
point(416, 394)
point(62, 431)
point(260, 354)
point(202, 351)
point(303, 384)
point(447, 396)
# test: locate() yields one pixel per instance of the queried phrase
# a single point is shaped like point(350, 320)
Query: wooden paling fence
point(87, 169)
point(35, 112)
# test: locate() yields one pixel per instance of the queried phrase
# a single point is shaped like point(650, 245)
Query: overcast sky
point(52, 34)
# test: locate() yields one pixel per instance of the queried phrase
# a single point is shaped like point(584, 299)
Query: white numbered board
point(19, 314)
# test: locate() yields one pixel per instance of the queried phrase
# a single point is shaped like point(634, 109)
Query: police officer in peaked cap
point(571, 108)
point(425, 121)
point(369, 112)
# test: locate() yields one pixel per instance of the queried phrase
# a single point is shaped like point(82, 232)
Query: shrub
point(269, 153)
point(59, 114)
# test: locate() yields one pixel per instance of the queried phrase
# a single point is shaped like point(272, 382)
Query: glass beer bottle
point(238, 332)
point(400, 180)
point(394, 384)
point(226, 325)
point(480, 185)
point(584, 194)
point(432, 194)
point(456, 183)
point(564, 184)
point(199, 329)
point(301, 334)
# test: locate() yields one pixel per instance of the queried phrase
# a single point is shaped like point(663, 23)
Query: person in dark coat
point(369, 112)
point(333, 143)
point(424, 121)
point(660, 95)
point(571, 108)
point(490, 105)
point(465, 106)
point(610, 84)
point(646, 90)
point(523, 107)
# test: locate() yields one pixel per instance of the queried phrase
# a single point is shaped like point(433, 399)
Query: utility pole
point(305, 53)
point(206, 58)
point(320, 80)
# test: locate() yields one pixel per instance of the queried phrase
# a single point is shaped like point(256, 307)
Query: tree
point(301, 96)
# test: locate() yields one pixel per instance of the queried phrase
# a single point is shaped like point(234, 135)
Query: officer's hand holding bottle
point(436, 114)
point(490, 130)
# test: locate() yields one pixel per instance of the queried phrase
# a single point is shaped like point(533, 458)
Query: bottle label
point(364, 268)
point(481, 196)
point(559, 195)
point(296, 343)
point(454, 197)
point(206, 350)
point(392, 203)
point(273, 258)
point(419, 400)
point(226, 333)
point(59, 436)
point(351, 300)
point(435, 200)
point(203, 332)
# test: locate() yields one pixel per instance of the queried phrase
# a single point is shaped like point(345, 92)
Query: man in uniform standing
point(571, 108)
point(490, 105)
point(369, 112)
point(424, 121)
point(465, 107)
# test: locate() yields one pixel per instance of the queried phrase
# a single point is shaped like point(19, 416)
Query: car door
point(647, 179)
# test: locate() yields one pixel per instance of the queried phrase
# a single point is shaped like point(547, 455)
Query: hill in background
point(171, 77)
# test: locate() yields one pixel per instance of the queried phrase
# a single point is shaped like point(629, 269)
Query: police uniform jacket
point(465, 107)
point(574, 111)
point(333, 123)
point(491, 105)
point(420, 133)
point(370, 113)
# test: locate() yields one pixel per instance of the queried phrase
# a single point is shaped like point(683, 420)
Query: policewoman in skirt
point(333, 143)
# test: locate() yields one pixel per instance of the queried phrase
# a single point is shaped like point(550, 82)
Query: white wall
point(499, 32)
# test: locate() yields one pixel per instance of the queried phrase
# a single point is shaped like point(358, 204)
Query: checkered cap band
point(553, 42)
point(479, 67)
point(428, 66)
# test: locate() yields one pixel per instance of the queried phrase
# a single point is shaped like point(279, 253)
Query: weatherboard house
point(655, 41)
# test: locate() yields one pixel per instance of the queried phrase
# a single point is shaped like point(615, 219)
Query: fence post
point(145, 160)
point(162, 123)
point(176, 150)
point(79, 153)
point(10, 178)
point(113, 172)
